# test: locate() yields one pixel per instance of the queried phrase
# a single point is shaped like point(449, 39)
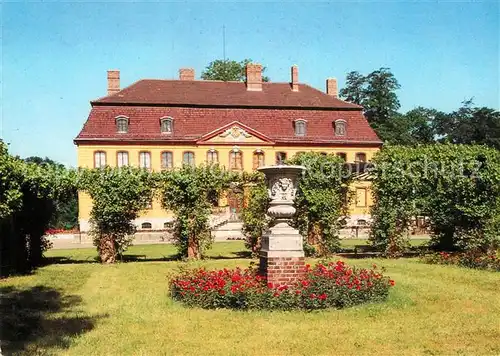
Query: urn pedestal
point(282, 253)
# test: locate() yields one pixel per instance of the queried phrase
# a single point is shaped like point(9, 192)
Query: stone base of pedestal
point(281, 270)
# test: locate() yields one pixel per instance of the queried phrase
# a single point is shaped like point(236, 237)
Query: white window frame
point(119, 119)
point(163, 121)
point(337, 124)
point(169, 163)
point(145, 160)
point(300, 123)
point(122, 159)
point(99, 159)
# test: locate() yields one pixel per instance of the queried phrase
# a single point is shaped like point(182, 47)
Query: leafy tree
point(421, 125)
point(321, 201)
point(470, 125)
point(228, 70)
point(376, 92)
point(27, 203)
point(188, 193)
point(65, 215)
point(10, 194)
point(118, 196)
point(355, 89)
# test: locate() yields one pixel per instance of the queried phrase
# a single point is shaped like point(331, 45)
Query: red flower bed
point(469, 259)
point(332, 285)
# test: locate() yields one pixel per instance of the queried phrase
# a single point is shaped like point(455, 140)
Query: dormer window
point(122, 124)
point(340, 127)
point(300, 127)
point(166, 125)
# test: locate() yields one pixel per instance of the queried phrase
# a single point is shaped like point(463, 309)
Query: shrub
point(469, 259)
point(332, 285)
point(253, 213)
point(455, 186)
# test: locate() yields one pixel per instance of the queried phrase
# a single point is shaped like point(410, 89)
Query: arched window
point(300, 127)
point(167, 160)
point(236, 160)
point(258, 159)
point(122, 124)
point(323, 153)
point(121, 158)
point(145, 160)
point(360, 157)
point(280, 158)
point(342, 155)
point(188, 158)
point(99, 159)
point(146, 225)
point(168, 225)
point(212, 157)
point(340, 127)
point(166, 125)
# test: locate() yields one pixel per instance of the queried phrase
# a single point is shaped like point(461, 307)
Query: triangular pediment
point(235, 132)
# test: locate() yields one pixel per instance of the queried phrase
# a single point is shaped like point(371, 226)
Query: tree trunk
point(193, 251)
point(107, 250)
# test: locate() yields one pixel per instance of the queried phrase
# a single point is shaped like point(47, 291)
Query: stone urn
point(282, 252)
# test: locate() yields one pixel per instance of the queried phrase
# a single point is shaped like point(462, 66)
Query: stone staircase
point(230, 230)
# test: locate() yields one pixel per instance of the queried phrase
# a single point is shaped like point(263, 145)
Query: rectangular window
point(122, 159)
point(361, 197)
point(236, 160)
point(167, 160)
point(99, 159)
point(360, 157)
point(342, 155)
point(280, 158)
point(188, 158)
point(258, 160)
point(212, 157)
point(145, 160)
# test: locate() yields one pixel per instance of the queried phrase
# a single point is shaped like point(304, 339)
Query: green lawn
point(78, 307)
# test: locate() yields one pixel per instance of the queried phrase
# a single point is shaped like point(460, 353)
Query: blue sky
point(55, 55)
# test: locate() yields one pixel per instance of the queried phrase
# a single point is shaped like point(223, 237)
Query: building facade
point(162, 124)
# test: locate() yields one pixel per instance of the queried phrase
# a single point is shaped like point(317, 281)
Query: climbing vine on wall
point(189, 193)
point(322, 201)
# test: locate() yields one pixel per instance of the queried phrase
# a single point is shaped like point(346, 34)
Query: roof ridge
point(343, 101)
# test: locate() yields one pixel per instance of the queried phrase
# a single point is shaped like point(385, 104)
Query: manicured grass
point(85, 308)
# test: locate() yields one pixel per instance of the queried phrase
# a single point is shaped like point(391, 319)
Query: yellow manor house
point(160, 124)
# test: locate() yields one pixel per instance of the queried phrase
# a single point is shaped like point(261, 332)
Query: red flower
point(392, 283)
point(269, 285)
point(322, 296)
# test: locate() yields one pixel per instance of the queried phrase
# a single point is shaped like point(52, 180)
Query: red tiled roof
point(226, 94)
point(191, 123)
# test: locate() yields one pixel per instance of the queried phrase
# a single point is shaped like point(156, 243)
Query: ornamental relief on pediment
point(235, 132)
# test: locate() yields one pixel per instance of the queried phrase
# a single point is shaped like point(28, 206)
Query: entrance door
point(234, 202)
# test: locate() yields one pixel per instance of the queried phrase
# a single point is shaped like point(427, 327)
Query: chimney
point(186, 74)
point(295, 78)
point(113, 81)
point(331, 87)
point(254, 77)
